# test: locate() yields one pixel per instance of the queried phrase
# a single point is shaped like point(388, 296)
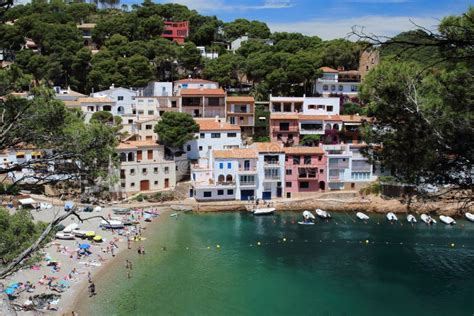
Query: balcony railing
point(338, 165)
point(272, 177)
point(249, 169)
point(247, 183)
point(289, 129)
point(361, 168)
point(269, 164)
point(335, 178)
point(225, 183)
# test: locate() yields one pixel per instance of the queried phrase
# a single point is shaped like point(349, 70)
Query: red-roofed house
point(203, 102)
point(241, 111)
point(176, 31)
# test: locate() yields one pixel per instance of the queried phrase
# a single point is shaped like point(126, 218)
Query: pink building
point(305, 171)
point(284, 128)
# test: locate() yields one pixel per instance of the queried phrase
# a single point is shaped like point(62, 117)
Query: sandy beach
point(68, 273)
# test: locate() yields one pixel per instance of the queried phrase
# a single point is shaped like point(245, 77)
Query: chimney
point(112, 86)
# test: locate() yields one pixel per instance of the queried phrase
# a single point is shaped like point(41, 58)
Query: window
point(341, 87)
point(333, 88)
point(140, 112)
point(353, 88)
point(150, 154)
point(148, 126)
point(304, 185)
point(155, 170)
point(321, 171)
point(144, 171)
point(352, 185)
point(167, 170)
point(288, 184)
point(188, 148)
point(288, 172)
point(209, 147)
point(200, 148)
point(307, 160)
point(202, 135)
point(296, 160)
point(139, 155)
point(120, 98)
point(130, 121)
point(122, 185)
point(325, 87)
point(312, 106)
point(231, 135)
point(329, 108)
point(132, 171)
point(215, 135)
point(241, 119)
point(207, 194)
point(134, 111)
point(221, 165)
point(220, 192)
point(229, 165)
point(284, 126)
point(150, 112)
point(230, 192)
point(320, 158)
point(288, 195)
point(132, 184)
point(232, 120)
point(156, 182)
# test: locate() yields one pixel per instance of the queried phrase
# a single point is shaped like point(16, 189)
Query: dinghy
point(69, 228)
point(121, 211)
point(174, 215)
point(308, 215)
point(65, 236)
point(427, 219)
point(391, 217)
point(411, 218)
point(447, 220)
point(111, 224)
point(264, 211)
point(305, 223)
point(469, 216)
point(362, 216)
point(322, 214)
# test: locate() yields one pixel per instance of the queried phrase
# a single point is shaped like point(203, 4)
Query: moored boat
point(322, 214)
point(70, 228)
point(305, 223)
point(411, 218)
point(427, 219)
point(65, 236)
point(121, 211)
point(112, 224)
point(391, 217)
point(308, 215)
point(264, 211)
point(447, 220)
point(362, 216)
point(469, 216)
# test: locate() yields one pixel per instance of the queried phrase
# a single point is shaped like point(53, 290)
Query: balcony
point(271, 164)
point(367, 168)
point(248, 183)
point(335, 178)
point(339, 165)
point(272, 178)
point(286, 129)
point(248, 170)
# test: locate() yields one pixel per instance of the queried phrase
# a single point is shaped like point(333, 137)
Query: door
point(267, 195)
point(191, 193)
point(144, 185)
point(139, 155)
point(167, 182)
point(245, 195)
point(279, 192)
point(247, 165)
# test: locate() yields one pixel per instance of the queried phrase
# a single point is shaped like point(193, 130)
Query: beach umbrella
point(9, 291)
point(84, 246)
point(90, 234)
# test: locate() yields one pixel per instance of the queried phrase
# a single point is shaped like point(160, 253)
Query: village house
point(124, 99)
point(338, 83)
point(90, 105)
point(240, 110)
point(192, 83)
point(305, 171)
point(176, 31)
point(203, 102)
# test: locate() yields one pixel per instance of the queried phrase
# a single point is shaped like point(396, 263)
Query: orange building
point(176, 31)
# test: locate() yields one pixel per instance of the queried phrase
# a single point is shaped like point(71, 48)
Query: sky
point(330, 19)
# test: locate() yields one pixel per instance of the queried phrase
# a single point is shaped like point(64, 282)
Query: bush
point(261, 139)
point(9, 189)
point(374, 188)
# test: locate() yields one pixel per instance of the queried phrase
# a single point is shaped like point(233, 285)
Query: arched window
point(123, 157)
point(228, 178)
point(322, 185)
point(335, 127)
point(328, 127)
point(130, 157)
point(220, 178)
point(120, 110)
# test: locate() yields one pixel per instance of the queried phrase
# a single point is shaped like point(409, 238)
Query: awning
point(27, 201)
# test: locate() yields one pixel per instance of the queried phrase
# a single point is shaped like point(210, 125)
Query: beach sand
point(61, 250)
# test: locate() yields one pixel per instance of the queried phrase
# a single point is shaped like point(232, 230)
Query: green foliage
point(240, 27)
point(18, 233)
point(350, 108)
point(9, 189)
point(373, 188)
point(102, 117)
point(175, 129)
point(310, 140)
point(261, 139)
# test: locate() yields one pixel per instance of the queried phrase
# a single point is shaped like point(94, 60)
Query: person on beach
point(130, 266)
point(139, 250)
point(127, 264)
point(92, 290)
point(143, 250)
point(89, 277)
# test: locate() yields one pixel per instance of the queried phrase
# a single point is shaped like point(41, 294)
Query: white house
point(213, 134)
point(158, 89)
point(206, 54)
point(91, 105)
point(124, 99)
point(191, 83)
point(334, 82)
point(321, 106)
point(270, 170)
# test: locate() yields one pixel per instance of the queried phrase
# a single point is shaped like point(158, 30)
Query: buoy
point(187, 248)
point(218, 246)
point(366, 241)
point(452, 245)
point(284, 239)
point(208, 247)
point(258, 243)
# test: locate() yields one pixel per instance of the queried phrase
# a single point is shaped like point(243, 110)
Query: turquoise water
point(325, 269)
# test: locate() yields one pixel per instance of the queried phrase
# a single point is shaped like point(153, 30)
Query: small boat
point(69, 228)
point(97, 209)
point(411, 218)
point(391, 217)
point(469, 216)
point(427, 219)
point(322, 214)
point(83, 233)
point(308, 215)
point(447, 220)
point(121, 211)
point(112, 224)
point(174, 215)
point(138, 238)
point(264, 211)
point(362, 216)
point(65, 236)
point(305, 223)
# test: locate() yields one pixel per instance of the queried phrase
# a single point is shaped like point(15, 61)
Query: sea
point(239, 264)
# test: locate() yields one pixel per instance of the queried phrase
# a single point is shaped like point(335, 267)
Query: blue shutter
point(229, 165)
point(221, 165)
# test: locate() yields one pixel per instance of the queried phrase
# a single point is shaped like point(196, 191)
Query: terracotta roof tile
point(213, 125)
point(273, 147)
point(284, 116)
point(246, 99)
point(304, 150)
point(219, 92)
point(303, 117)
point(352, 118)
point(135, 144)
point(236, 153)
point(95, 100)
point(328, 69)
point(194, 80)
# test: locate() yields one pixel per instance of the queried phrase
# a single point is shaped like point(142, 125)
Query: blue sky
point(330, 18)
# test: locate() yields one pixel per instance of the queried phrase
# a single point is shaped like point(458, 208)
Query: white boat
point(391, 217)
point(427, 219)
point(305, 223)
point(112, 224)
point(322, 214)
point(447, 220)
point(83, 233)
point(362, 216)
point(66, 236)
point(69, 228)
point(469, 216)
point(264, 211)
point(174, 215)
point(308, 215)
point(411, 218)
point(97, 209)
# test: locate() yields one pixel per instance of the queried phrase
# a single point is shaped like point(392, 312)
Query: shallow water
point(341, 267)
